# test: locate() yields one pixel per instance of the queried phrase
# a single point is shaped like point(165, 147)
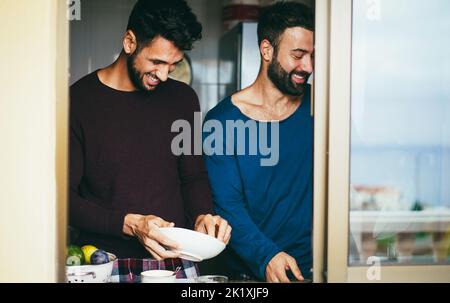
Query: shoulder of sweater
point(82, 82)
point(224, 110)
point(181, 93)
point(179, 88)
point(79, 88)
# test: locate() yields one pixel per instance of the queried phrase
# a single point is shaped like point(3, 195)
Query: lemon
point(88, 250)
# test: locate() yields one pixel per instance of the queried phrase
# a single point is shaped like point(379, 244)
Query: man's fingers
point(167, 224)
point(281, 276)
point(160, 222)
point(292, 264)
point(273, 279)
point(201, 229)
point(168, 242)
point(159, 250)
point(155, 255)
point(210, 225)
point(227, 235)
point(156, 235)
point(222, 230)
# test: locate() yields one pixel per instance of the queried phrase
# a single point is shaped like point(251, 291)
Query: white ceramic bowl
point(91, 273)
point(195, 246)
point(158, 276)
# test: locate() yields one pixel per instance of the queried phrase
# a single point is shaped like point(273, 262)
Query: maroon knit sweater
point(121, 162)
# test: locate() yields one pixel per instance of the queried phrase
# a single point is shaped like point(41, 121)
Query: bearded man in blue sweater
point(268, 201)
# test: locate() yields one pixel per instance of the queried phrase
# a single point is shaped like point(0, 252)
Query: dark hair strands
point(278, 17)
point(170, 19)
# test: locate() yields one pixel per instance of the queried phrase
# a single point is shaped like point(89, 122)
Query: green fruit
point(75, 256)
point(88, 250)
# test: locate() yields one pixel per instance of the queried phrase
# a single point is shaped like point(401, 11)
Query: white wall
point(33, 136)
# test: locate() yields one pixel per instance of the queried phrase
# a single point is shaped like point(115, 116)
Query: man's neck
point(269, 96)
point(116, 75)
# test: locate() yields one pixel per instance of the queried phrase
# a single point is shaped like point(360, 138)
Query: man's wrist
point(265, 263)
point(130, 222)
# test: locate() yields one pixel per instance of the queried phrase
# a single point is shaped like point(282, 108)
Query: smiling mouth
point(151, 80)
point(298, 79)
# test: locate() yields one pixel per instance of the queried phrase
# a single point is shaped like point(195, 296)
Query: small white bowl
point(158, 276)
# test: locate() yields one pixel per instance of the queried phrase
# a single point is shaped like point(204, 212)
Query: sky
point(401, 97)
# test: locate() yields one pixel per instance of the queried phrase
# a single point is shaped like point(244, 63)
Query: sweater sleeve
point(229, 202)
point(87, 214)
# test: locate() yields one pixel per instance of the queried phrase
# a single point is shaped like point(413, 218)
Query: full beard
point(283, 80)
point(135, 76)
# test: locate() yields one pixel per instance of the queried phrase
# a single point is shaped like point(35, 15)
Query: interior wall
point(96, 39)
point(33, 102)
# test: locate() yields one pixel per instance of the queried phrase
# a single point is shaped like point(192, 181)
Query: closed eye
point(157, 62)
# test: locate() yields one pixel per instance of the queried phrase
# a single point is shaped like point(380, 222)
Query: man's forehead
point(298, 38)
point(163, 50)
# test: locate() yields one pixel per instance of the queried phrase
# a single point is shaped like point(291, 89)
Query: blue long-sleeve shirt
point(268, 207)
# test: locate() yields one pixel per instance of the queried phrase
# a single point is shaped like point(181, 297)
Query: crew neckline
point(134, 92)
point(297, 110)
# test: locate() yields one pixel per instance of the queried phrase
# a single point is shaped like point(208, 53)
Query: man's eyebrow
point(157, 60)
point(162, 61)
point(179, 61)
point(299, 50)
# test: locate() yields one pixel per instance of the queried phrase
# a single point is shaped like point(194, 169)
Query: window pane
point(400, 137)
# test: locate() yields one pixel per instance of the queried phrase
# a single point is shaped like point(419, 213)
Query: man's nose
point(162, 73)
point(307, 64)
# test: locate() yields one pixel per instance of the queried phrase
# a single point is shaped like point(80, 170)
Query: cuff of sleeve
point(262, 268)
point(116, 222)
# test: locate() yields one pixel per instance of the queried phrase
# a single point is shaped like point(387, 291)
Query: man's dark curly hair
point(276, 18)
point(171, 19)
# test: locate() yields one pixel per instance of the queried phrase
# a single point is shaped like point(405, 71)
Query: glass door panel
point(400, 132)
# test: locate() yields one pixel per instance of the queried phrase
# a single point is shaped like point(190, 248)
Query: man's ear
point(129, 42)
point(266, 50)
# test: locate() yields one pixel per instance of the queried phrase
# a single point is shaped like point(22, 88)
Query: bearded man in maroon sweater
point(125, 182)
